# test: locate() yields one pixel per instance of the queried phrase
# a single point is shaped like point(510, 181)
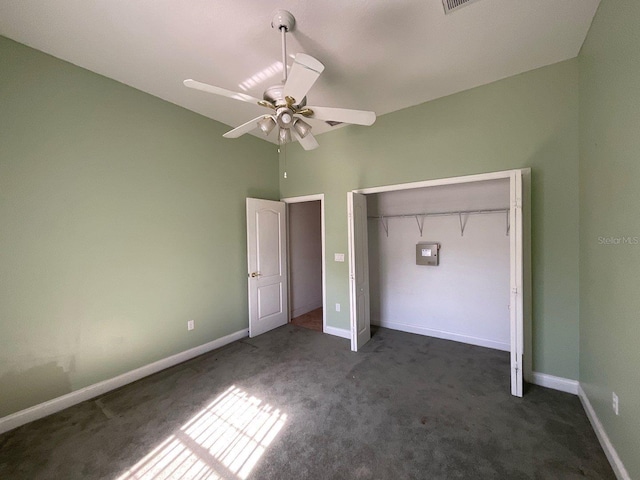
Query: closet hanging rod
point(442, 214)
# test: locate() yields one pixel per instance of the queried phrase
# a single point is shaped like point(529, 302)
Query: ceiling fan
point(288, 100)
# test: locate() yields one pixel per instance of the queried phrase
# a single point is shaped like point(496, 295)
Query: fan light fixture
point(302, 128)
point(286, 118)
point(284, 136)
point(266, 125)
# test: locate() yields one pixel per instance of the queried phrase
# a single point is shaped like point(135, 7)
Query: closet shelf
point(419, 217)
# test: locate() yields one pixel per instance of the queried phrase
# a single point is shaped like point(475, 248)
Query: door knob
point(255, 274)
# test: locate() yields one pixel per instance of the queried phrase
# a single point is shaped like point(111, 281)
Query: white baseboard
point(60, 403)
point(481, 342)
point(607, 446)
point(557, 383)
point(338, 332)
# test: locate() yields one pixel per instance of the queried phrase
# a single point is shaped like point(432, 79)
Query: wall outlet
point(615, 403)
point(337, 307)
point(338, 257)
point(191, 324)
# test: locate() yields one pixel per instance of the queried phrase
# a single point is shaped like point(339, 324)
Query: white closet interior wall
point(466, 297)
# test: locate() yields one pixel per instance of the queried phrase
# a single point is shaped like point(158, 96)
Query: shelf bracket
point(462, 224)
point(420, 223)
point(385, 224)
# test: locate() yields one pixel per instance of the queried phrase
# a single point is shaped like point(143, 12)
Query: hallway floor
point(312, 320)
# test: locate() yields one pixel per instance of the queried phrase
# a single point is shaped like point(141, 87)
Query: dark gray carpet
point(297, 404)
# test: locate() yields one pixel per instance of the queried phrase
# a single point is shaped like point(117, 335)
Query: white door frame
point(519, 252)
point(302, 199)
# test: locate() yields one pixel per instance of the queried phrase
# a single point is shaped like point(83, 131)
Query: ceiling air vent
point(451, 6)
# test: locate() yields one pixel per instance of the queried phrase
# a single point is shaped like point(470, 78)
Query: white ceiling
point(380, 55)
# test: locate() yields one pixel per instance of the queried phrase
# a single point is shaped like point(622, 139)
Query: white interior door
point(516, 311)
point(267, 264)
point(358, 270)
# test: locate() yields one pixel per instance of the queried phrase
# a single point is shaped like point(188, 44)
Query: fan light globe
point(284, 135)
point(267, 124)
point(302, 128)
point(286, 118)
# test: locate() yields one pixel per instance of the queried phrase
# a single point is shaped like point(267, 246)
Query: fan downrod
point(283, 21)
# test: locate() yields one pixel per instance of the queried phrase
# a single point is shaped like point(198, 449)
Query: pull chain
point(283, 148)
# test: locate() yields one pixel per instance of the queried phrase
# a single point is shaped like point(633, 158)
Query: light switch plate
point(338, 257)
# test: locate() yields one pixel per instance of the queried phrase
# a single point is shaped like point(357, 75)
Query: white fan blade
point(303, 74)
point(357, 117)
point(219, 91)
point(308, 142)
point(244, 128)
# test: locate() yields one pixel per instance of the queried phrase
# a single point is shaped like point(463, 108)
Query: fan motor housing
point(275, 94)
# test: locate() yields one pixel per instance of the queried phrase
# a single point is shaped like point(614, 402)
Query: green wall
point(530, 120)
point(122, 217)
point(610, 222)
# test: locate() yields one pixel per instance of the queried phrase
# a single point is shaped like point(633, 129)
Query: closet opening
point(439, 261)
point(447, 258)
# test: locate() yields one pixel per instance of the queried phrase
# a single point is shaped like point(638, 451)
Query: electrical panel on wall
point(428, 253)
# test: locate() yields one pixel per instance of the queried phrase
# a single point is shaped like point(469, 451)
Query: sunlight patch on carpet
point(223, 441)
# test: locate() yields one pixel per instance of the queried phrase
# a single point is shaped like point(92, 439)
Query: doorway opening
point(305, 235)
